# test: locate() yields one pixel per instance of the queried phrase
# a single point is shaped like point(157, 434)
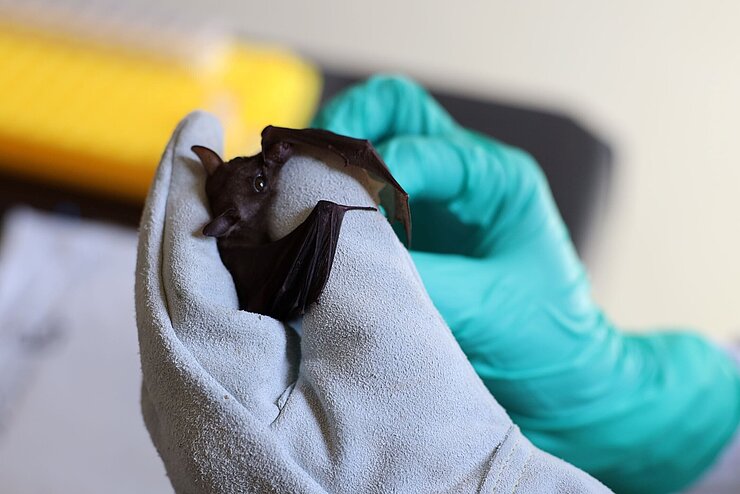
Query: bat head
point(238, 191)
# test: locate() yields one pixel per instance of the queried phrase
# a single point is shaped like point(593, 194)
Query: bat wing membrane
point(357, 152)
point(283, 278)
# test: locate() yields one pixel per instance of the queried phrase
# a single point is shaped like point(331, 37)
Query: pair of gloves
point(376, 395)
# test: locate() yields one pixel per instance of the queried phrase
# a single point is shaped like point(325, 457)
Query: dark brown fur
point(282, 278)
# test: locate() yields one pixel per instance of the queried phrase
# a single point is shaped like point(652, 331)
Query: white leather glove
point(376, 396)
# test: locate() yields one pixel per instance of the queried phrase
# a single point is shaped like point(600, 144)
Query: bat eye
point(259, 183)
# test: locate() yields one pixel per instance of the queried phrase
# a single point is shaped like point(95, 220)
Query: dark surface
point(576, 163)
point(16, 190)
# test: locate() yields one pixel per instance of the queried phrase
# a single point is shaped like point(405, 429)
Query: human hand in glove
point(643, 413)
point(375, 397)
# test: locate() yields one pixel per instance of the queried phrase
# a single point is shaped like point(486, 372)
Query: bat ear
point(221, 224)
point(209, 158)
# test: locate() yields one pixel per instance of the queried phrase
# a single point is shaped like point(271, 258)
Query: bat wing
point(282, 278)
point(277, 141)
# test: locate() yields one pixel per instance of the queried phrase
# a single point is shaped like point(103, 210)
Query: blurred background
point(632, 108)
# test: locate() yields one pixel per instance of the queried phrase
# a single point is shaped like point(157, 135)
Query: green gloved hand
point(643, 413)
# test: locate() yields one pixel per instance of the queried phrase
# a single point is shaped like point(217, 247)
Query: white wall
point(659, 79)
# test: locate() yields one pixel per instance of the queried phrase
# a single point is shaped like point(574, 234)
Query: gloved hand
point(643, 413)
point(378, 398)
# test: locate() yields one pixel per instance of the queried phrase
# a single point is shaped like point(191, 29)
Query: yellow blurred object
point(98, 116)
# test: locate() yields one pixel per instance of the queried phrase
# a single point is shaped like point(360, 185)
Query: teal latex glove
point(643, 413)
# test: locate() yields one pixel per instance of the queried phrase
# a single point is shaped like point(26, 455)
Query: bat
point(282, 278)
